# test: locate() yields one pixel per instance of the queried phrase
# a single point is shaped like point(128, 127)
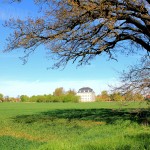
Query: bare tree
point(79, 30)
point(136, 79)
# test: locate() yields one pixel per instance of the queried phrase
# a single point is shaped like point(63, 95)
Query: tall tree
point(79, 30)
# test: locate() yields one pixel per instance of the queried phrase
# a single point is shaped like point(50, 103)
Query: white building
point(86, 94)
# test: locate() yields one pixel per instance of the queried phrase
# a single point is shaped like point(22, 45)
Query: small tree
point(116, 96)
point(104, 96)
point(24, 98)
point(71, 92)
point(59, 91)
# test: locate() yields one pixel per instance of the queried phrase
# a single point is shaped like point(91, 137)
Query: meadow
point(74, 126)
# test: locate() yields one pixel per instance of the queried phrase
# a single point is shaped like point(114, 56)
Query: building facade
point(86, 94)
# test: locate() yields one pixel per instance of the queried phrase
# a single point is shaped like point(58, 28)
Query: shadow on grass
point(109, 116)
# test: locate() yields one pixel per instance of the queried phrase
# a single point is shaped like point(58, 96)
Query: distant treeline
point(117, 96)
point(50, 98)
point(60, 95)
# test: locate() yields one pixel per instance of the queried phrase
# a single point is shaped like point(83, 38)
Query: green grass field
point(74, 126)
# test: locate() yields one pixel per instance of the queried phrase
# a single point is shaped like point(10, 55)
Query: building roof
point(85, 90)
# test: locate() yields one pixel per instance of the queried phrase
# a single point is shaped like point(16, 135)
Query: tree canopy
point(79, 30)
point(59, 91)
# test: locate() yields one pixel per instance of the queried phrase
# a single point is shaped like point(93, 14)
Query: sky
point(36, 77)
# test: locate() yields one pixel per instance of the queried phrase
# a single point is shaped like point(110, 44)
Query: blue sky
point(34, 78)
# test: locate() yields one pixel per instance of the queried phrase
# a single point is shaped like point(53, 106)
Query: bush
point(53, 98)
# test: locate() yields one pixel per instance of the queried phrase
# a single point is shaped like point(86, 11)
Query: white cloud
point(15, 88)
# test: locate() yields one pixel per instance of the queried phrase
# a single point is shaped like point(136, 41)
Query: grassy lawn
point(74, 126)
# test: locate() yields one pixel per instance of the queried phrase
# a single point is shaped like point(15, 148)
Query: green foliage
point(60, 95)
point(52, 98)
point(116, 96)
point(103, 97)
point(24, 98)
point(70, 98)
point(59, 91)
point(130, 96)
point(71, 92)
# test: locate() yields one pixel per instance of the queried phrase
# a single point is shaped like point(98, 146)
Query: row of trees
point(117, 96)
point(59, 95)
point(8, 99)
point(49, 98)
